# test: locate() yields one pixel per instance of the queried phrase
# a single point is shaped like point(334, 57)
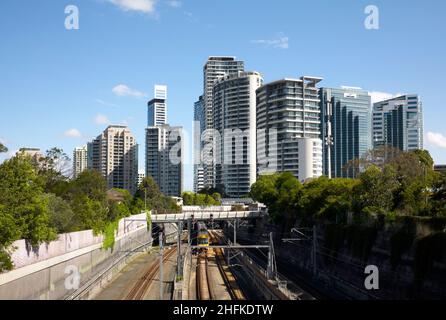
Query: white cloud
point(280, 42)
point(436, 139)
point(101, 120)
point(123, 90)
point(378, 96)
point(73, 133)
point(144, 6)
point(174, 3)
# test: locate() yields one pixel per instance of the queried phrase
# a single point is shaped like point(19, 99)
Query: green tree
point(9, 232)
point(281, 193)
point(188, 198)
point(439, 196)
point(54, 168)
point(89, 213)
point(290, 192)
point(220, 189)
point(201, 199)
point(3, 148)
point(91, 184)
point(151, 195)
point(415, 175)
point(329, 199)
point(121, 209)
point(413, 172)
point(264, 189)
point(61, 216)
point(88, 200)
point(217, 198)
point(375, 192)
point(56, 161)
point(22, 198)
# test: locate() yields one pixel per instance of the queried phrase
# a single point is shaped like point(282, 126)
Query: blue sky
point(56, 85)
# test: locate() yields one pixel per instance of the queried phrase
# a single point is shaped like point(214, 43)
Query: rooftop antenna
point(329, 137)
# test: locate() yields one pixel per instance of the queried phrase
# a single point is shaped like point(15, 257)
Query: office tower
point(351, 127)
point(214, 68)
point(114, 154)
point(93, 150)
point(398, 123)
point(34, 153)
point(234, 117)
point(157, 107)
point(164, 158)
point(199, 124)
point(198, 179)
point(141, 177)
point(80, 160)
point(288, 128)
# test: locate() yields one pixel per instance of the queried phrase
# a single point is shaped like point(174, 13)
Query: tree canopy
point(3, 148)
point(201, 199)
point(149, 193)
point(38, 201)
point(391, 183)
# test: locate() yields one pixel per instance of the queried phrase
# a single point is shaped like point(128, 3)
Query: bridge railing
point(200, 215)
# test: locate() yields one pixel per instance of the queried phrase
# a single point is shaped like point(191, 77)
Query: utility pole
point(145, 199)
point(161, 267)
point(179, 264)
point(271, 265)
point(189, 230)
point(235, 232)
point(314, 250)
point(329, 137)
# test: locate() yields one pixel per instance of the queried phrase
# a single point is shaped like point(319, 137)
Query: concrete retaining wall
point(341, 274)
point(54, 271)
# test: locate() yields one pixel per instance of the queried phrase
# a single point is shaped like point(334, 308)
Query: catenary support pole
point(180, 231)
point(314, 250)
point(235, 232)
point(161, 266)
point(189, 230)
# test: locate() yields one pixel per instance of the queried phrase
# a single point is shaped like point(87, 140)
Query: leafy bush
point(109, 235)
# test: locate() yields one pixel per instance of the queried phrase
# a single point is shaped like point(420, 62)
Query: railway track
point(228, 277)
point(204, 290)
point(142, 285)
point(310, 292)
point(204, 284)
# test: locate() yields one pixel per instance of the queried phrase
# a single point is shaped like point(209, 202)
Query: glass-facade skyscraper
point(164, 146)
point(351, 127)
point(164, 158)
point(199, 124)
point(398, 123)
point(157, 107)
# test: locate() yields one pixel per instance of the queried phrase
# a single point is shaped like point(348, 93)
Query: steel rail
point(230, 281)
point(142, 285)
